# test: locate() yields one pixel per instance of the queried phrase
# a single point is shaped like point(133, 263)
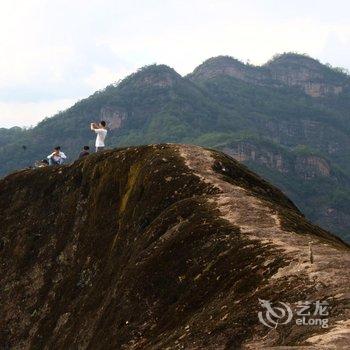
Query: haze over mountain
point(288, 120)
point(163, 247)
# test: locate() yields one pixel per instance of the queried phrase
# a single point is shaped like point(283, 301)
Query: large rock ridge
point(161, 247)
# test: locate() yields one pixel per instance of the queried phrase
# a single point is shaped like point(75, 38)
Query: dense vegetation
point(263, 111)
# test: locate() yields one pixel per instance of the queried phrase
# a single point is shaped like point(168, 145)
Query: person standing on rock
point(101, 131)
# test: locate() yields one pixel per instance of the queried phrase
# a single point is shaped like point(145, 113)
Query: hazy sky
point(54, 52)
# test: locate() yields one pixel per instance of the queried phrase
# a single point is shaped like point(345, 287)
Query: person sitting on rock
point(57, 157)
point(85, 152)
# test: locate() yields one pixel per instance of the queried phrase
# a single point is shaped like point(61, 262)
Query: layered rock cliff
point(161, 247)
point(308, 74)
point(294, 70)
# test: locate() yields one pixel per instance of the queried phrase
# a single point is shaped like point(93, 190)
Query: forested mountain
point(289, 120)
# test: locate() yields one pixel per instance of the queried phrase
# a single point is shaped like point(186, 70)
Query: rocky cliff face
point(228, 66)
point(308, 74)
point(161, 247)
point(303, 166)
point(114, 117)
point(290, 70)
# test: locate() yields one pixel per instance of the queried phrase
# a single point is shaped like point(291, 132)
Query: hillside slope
point(288, 120)
point(160, 247)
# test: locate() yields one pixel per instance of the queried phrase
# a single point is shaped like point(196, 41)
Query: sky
point(56, 52)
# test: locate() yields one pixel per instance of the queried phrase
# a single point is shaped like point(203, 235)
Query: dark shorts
point(99, 149)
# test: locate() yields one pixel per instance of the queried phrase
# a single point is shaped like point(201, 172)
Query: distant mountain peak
point(221, 66)
point(223, 61)
point(157, 69)
point(287, 69)
point(159, 75)
point(315, 78)
point(291, 57)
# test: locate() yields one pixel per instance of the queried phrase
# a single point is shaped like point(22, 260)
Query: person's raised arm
point(92, 126)
point(63, 156)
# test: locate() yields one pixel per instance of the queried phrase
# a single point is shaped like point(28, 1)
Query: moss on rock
point(127, 249)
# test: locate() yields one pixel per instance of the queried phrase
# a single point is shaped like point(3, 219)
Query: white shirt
point(57, 158)
point(100, 137)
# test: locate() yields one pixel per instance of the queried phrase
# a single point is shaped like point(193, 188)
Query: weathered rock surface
point(161, 247)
